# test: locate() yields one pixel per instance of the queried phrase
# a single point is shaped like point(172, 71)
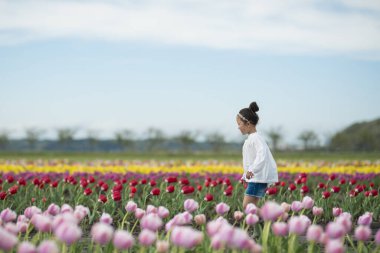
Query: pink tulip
point(190, 205)
point(250, 208)
point(334, 246)
point(214, 226)
point(139, 213)
point(317, 211)
point(80, 212)
point(296, 206)
point(239, 240)
point(226, 231)
point(30, 211)
point(222, 208)
point(271, 211)
point(362, 233)
point(53, 209)
point(42, 223)
point(314, 233)
point(186, 237)
point(101, 233)
point(66, 208)
point(106, 218)
point(147, 237)
point(151, 209)
point(11, 228)
point(123, 240)
point(131, 206)
point(323, 239)
point(251, 219)
point(284, 216)
point(151, 221)
point(63, 218)
point(162, 246)
point(337, 211)
point(365, 219)
point(238, 215)
point(8, 240)
point(22, 226)
point(68, 233)
point(307, 202)
point(280, 228)
point(163, 212)
point(335, 230)
point(345, 221)
point(48, 246)
point(8, 215)
point(216, 242)
point(22, 218)
point(285, 206)
point(377, 237)
point(200, 219)
point(26, 247)
point(297, 225)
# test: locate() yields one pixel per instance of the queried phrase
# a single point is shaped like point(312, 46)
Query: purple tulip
point(365, 219)
point(53, 209)
point(8, 215)
point(30, 211)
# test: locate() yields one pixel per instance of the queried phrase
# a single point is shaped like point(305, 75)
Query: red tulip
point(102, 198)
point(1, 181)
point(87, 191)
point(46, 180)
point(132, 189)
point(352, 181)
point(332, 177)
point(282, 184)
point(155, 191)
point(104, 187)
point(342, 181)
point(143, 181)
point(3, 195)
point(292, 187)
point(335, 189)
point(171, 180)
point(367, 193)
point(116, 196)
point(83, 183)
point(353, 193)
point(100, 183)
point(326, 195)
point(10, 179)
point(304, 189)
point(304, 180)
point(133, 183)
point(36, 181)
point(227, 181)
point(187, 189)
point(321, 186)
point(298, 181)
point(123, 181)
point(199, 187)
point(117, 188)
point(208, 179)
point(374, 193)
point(213, 183)
point(207, 183)
point(219, 180)
point(54, 184)
point(170, 189)
point(91, 179)
point(271, 191)
point(359, 188)
point(227, 192)
point(152, 183)
point(372, 184)
point(184, 181)
point(208, 197)
point(22, 181)
point(13, 190)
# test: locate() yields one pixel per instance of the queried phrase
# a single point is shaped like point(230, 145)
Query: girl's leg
point(249, 199)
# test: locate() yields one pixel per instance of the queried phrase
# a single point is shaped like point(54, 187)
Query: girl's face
point(243, 126)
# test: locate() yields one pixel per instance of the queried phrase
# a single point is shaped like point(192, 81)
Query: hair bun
point(254, 107)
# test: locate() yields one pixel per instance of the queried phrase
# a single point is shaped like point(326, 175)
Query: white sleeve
point(259, 162)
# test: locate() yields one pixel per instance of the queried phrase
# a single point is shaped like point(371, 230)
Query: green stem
point(291, 243)
point(265, 235)
point(122, 223)
point(310, 248)
point(360, 246)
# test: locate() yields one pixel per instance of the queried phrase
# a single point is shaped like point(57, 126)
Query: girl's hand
point(249, 175)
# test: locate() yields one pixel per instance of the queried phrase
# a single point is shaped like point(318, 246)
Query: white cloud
point(279, 26)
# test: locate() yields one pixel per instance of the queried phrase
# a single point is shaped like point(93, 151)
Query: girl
point(260, 169)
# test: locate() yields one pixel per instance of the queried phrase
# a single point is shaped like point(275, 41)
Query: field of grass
point(234, 156)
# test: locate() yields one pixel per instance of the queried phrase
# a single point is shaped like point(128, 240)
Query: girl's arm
point(259, 162)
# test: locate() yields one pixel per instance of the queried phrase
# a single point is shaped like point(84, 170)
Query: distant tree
point(155, 138)
point(186, 139)
point(275, 136)
point(66, 135)
point(125, 139)
point(4, 139)
point(216, 140)
point(93, 138)
point(32, 136)
point(308, 138)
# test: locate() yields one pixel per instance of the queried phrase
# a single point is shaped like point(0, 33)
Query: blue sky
point(112, 65)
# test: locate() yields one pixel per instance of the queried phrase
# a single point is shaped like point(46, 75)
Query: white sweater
point(258, 159)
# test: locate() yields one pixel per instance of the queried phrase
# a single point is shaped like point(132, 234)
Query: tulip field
point(49, 206)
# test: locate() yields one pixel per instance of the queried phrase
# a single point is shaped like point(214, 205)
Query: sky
point(105, 66)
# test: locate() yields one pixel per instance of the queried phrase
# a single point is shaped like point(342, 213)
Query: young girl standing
point(260, 169)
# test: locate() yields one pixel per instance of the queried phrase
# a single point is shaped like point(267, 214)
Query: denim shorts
point(256, 189)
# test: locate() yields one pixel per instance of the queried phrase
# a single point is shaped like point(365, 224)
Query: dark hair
point(250, 114)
